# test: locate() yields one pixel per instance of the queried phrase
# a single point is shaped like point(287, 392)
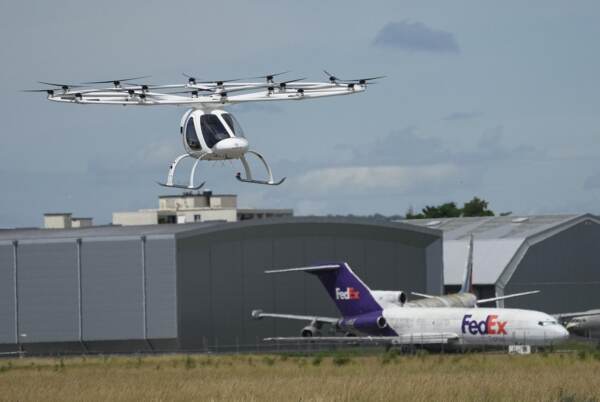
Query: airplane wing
point(404, 339)
point(492, 299)
point(423, 295)
point(258, 314)
point(568, 316)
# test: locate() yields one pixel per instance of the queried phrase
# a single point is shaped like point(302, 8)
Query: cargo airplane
point(376, 316)
point(465, 297)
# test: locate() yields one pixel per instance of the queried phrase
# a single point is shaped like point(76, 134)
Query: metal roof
point(499, 242)
point(190, 229)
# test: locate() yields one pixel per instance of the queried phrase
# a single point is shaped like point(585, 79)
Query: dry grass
point(475, 377)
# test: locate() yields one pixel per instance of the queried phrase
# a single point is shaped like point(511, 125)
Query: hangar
point(191, 286)
point(557, 254)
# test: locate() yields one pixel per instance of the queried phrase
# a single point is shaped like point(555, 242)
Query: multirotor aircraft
point(209, 132)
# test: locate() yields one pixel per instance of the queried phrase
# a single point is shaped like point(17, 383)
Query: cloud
point(360, 179)
point(408, 147)
point(592, 182)
point(415, 37)
point(462, 116)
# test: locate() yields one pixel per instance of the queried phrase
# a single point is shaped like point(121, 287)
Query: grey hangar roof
point(499, 242)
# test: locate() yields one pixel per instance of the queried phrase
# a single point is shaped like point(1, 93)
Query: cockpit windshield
point(213, 130)
point(547, 322)
point(233, 124)
point(190, 135)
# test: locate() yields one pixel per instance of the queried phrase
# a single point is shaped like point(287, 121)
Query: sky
point(492, 99)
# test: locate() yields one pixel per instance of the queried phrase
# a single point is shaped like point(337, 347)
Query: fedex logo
point(348, 294)
point(489, 326)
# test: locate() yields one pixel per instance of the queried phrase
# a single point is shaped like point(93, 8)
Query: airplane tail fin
point(350, 294)
point(467, 285)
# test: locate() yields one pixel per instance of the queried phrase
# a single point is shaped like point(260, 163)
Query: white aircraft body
point(376, 316)
point(584, 323)
point(465, 296)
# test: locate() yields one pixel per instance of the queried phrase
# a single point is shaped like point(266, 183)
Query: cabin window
point(213, 130)
point(190, 135)
point(233, 124)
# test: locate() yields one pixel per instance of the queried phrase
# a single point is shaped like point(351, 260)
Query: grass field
point(330, 377)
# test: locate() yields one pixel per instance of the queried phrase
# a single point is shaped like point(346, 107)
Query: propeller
point(269, 77)
point(116, 82)
point(332, 78)
point(283, 84)
point(48, 91)
point(362, 81)
point(192, 91)
point(192, 80)
point(64, 87)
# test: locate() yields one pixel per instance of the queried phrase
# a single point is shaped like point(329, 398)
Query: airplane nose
point(562, 333)
point(231, 147)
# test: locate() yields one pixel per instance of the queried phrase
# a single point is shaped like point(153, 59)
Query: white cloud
point(390, 179)
point(416, 36)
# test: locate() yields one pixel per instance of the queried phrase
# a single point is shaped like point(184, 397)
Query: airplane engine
point(310, 331)
point(370, 324)
point(389, 297)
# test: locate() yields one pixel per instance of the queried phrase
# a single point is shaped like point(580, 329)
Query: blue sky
point(494, 99)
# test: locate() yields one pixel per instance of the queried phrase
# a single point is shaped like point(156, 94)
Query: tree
point(446, 210)
point(476, 207)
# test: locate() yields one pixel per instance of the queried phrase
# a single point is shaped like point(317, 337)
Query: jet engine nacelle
point(389, 297)
point(368, 323)
point(310, 331)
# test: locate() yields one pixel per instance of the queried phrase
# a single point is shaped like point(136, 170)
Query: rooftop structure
point(65, 220)
point(196, 207)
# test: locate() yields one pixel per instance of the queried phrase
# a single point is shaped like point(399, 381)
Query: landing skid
point(171, 175)
point(183, 186)
point(239, 177)
point(249, 179)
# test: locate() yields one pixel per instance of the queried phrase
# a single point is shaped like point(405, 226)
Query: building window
point(167, 219)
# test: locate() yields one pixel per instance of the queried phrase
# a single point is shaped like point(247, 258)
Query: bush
point(341, 360)
point(269, 361)
point(189, 362)
point(316, 361)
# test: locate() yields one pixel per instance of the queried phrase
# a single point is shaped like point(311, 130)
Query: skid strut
point(171, 175)
point(249, 178)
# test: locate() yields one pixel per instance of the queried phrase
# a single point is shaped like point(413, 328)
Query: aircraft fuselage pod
point(212, 134)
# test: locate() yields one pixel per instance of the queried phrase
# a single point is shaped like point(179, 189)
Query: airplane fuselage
point(478, 326)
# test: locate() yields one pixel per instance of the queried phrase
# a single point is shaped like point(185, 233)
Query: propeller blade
point(48, 91)
point(269, 77)
point(192, 80)
point(116, 81)
point(283, 84)
point(64, 87)
point(191, 90)
point(147, 87)
point(361, 80)
point(332, 77)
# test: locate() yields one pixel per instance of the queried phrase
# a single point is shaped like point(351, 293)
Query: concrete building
point(193, 286)
point(557, 254)
point(196, 207)
point(65, 220)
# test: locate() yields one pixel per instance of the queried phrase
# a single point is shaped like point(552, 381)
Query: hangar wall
point(173, 287)
point(7, 294)
point(221, 274)
point(565, 267)
point(86, 294)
